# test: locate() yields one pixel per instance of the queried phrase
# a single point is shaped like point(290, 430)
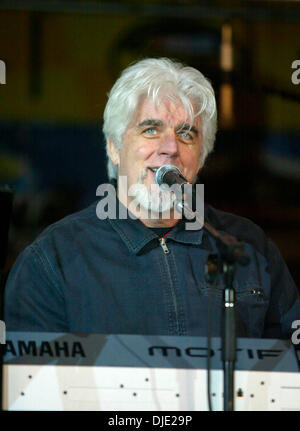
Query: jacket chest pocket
point(246, 294)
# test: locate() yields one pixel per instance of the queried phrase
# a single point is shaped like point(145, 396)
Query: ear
point(113, 153)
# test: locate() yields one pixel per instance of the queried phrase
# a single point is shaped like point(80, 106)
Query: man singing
point(145, 273)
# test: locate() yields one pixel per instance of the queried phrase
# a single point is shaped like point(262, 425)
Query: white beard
point(155, 199)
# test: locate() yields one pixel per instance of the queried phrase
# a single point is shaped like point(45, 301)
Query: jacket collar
point(136, 235)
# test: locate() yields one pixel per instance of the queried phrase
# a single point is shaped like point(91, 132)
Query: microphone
point(169, 175)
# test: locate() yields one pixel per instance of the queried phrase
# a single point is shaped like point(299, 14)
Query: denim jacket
point(86, 275)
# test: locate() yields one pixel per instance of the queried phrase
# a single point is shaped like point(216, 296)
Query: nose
point(168, 145)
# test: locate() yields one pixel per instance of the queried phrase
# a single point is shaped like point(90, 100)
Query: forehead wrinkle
point(170, 110)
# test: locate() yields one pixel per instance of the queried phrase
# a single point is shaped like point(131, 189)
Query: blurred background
point(62, 57)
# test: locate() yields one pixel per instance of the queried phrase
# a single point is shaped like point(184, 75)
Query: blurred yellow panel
point(74, 66)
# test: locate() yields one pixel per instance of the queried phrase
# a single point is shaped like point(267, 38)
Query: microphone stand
point(229, 336)
point(230, 253)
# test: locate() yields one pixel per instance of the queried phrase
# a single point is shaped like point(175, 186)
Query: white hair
point(157, 78)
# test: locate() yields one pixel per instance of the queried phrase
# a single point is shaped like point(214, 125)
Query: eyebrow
point(150, 122)
point(159, 123)
point(185, 126)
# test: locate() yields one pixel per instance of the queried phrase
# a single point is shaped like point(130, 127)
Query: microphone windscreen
point(163, 170)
